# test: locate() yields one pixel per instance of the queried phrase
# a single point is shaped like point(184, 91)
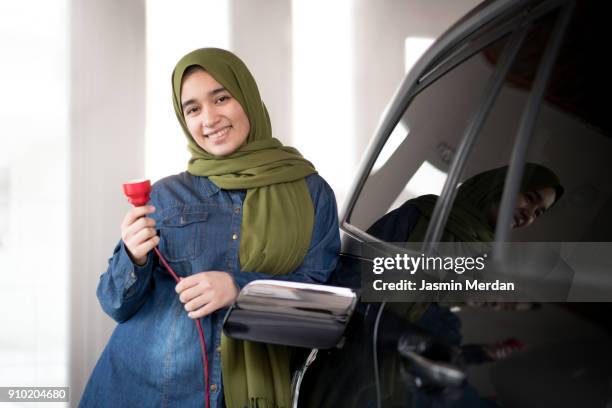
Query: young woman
point(246, 208)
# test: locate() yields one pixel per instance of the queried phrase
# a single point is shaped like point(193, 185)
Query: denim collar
point(208, 186)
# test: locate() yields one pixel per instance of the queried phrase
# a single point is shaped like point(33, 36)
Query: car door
point(513, 82)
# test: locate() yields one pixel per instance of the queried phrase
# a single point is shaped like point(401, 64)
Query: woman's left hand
point(205, 292)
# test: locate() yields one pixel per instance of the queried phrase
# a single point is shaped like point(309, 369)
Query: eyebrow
point(538, 196)
point(211, 93)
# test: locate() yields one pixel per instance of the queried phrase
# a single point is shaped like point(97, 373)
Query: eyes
point(195, 108)
point(222, 99)
point(533, 199)
point(191, 109)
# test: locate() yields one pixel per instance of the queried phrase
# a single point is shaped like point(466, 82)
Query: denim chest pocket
point(181, 230)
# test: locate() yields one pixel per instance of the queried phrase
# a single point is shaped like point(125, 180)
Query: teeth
point(219, 133)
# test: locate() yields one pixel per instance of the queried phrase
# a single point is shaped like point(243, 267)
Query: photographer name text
point(474, 285)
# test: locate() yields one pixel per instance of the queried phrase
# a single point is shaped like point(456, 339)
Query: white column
point(323, 83)
point(107, 119)
point(173, 30)
point(261, 37)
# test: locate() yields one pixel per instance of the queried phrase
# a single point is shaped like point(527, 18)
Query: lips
point(218, 135)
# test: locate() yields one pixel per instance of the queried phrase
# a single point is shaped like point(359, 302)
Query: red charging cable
point(137, 193)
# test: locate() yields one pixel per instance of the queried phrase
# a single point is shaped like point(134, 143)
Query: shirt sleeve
point(322, 256)
point(124, 287)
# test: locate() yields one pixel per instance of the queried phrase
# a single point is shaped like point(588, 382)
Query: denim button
point(237, 210)
point(235, 237)
point(213, 387)
point(133, 275)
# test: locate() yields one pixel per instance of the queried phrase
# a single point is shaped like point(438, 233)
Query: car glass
point(573, 136)
point(416, 157)
point(475, 210)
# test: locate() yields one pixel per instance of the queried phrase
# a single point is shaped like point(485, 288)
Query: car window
point(572, 136)
point(416, 157)
point(414, 162)
point(480, 187)
point(564, 194)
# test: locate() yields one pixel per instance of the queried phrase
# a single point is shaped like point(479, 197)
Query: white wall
point(33, 193)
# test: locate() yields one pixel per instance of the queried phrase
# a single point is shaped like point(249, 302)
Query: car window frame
point(444, 55)
point(526, 128)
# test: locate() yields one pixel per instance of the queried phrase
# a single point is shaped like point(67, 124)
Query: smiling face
point(213, 116)
point(530, 205)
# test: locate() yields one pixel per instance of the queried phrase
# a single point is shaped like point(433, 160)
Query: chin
point(221, 150)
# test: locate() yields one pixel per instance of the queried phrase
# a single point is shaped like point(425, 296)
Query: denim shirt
point(153, 357)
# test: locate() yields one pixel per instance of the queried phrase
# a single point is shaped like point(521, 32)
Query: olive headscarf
point(467, 220)
point(276, 225)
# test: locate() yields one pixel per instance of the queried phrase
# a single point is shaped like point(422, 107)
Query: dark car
point(513, 82)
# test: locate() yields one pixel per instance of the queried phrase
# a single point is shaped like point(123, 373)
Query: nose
point(210, 117)
point(528, 213)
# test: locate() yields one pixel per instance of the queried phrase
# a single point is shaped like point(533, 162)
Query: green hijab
point(467, 221)
point(276, 224)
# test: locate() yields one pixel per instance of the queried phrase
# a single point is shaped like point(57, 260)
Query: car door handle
point(430, 361)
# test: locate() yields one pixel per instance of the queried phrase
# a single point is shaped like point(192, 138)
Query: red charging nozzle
point(137, 192)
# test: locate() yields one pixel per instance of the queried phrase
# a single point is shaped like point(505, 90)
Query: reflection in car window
point(486, 167)
point(474, 214)
point(411, 195)
point(417, 156)
point(572, 135)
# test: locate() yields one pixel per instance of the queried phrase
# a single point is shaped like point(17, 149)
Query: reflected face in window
point(215, 119)
point(530, 205)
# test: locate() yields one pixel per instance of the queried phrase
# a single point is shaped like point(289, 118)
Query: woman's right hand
point(138, 233)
